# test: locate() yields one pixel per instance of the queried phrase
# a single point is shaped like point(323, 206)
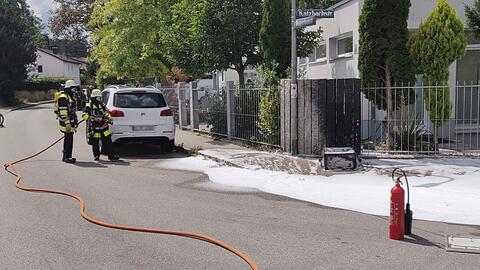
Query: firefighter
point(67, 118)
point(98, 122)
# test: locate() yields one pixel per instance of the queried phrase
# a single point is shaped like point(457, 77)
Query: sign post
point(293, 85)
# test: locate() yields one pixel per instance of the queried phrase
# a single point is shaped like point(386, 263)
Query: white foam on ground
point(448, 193)
point(193, 164)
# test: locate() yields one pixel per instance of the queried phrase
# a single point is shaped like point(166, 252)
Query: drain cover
point(463, 244)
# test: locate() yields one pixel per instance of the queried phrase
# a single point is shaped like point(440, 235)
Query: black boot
point(69, 160)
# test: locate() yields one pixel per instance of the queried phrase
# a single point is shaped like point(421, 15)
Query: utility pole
point(293, 86)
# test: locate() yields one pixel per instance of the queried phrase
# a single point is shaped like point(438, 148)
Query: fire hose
point(10, 167)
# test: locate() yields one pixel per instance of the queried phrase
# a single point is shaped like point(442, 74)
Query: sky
point(42, 8)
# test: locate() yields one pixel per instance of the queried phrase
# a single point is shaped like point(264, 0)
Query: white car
point(140, 115)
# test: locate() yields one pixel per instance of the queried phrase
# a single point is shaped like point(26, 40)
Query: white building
point(49, 64)
point(224, 76)
point(337, 57)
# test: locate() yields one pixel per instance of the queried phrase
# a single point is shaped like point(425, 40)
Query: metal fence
point(226, 112)
point(435, 119)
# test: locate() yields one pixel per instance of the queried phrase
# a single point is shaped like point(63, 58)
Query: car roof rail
point(150, 86)
point(113, 86)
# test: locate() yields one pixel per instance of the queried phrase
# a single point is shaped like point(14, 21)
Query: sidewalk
point(442, 189)
point(235, 155)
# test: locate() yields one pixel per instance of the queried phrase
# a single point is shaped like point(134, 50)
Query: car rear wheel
point(168, 146)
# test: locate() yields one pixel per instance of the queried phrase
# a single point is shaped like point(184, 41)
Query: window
point(344, 46)
point(311, 57)
point(40, 68)
point(303, 61)
point(321, 52)
point(468, 97)
point(139, 100)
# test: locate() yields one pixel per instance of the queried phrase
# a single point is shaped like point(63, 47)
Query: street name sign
point(318, 13)
point(304, 22)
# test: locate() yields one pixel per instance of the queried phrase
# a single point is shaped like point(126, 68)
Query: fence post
point(230, 86)
point(194, 117)
point(182, 105)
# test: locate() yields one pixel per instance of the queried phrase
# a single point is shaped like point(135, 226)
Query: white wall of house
point(346, 21)
point(330, 64)
point(232, 75)
point(226, 76)
point(51, 66)
point(326, 63)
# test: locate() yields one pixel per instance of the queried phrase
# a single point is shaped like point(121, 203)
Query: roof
point(60, 57)
point(82, 60)
point(339, 4)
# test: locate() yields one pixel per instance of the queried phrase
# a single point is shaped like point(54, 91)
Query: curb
point(221, 161)
point(216, 159)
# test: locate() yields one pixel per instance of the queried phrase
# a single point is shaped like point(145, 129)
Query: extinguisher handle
point(397, 180)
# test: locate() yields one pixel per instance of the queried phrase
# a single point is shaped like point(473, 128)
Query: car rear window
point(139, 100)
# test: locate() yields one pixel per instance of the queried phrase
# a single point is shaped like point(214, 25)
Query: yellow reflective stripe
point(64, 129)
point(85, 116)
point(107, 132)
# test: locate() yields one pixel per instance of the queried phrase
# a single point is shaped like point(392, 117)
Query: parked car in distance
point(140, 115)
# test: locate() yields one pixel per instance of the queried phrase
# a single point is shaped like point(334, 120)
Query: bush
point(412, 137)
point(35, 96)
point(269, 118)
point(217, 115)
point(269, 107)
point(44, 83)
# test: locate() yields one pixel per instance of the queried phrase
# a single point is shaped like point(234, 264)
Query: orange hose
point(10, 167)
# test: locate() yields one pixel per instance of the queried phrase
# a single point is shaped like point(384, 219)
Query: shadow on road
point(114, 163)
point(418, 240)
point(145, 151)
point(85, 164)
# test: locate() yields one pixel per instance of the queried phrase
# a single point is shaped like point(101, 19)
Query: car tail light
point(116, 113)
point(167, 112)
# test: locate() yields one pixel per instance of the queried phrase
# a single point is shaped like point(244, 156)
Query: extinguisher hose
point(404, 175)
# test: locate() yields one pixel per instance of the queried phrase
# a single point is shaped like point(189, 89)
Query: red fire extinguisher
point(400, 218)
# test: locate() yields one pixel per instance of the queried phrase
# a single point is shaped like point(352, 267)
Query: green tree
point(305, 4)
point(127, 38)
point(275, 34)
point(473, 17)
point(229, 31)
point(183, 41)
point(18, 36)
point(75, 48)
point(384, 58)
point(70, 19)
point(439, 41)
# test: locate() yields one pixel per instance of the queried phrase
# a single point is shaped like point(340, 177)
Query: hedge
point(43, 84)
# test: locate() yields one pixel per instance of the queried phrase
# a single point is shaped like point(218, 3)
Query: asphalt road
point(43, 231)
